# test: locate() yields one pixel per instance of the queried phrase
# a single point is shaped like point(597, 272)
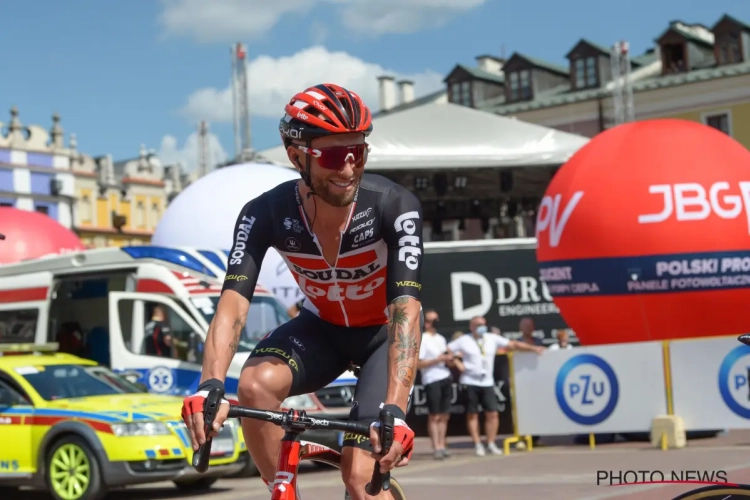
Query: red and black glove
point(195, 403)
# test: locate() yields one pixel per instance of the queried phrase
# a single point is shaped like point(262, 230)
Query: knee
point(264, 383)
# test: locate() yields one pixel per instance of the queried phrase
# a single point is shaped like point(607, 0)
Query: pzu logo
point(734, 380)
point(587, 389)
point(409, 251)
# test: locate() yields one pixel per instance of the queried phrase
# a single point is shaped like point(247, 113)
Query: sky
point(125, 73)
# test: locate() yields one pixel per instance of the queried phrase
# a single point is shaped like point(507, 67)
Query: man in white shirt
point(478, 350)
point(562, 341)
point(434, 362)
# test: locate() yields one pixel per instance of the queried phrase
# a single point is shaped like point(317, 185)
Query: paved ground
point(560, 472)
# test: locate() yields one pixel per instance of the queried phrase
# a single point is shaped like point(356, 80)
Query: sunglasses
point(335, 157)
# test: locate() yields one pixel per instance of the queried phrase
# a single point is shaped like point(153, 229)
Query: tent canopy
point(450, 136)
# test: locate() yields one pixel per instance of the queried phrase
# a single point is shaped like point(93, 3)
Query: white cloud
point(230, 20)
point(273, 81)
point(226, 20)
point(171, 153)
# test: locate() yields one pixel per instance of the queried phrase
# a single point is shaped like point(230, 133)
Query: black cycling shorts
point(484, 396)
point(317, 352)
point(439, 395)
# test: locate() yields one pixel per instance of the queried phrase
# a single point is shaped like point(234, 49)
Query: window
point(140, 215)
point(187, 344)
point(674, 58)
point(73, 381)
point(42, 209)
point(586, 75)
point(18, 326)
point(155, 214)
point(719, 121)
point(6, 204)
point(86, 209)
point(729, 48)
point(9, 396)
point(465, 94)
point(456, 93)
point(520, 85)
point(265, 314)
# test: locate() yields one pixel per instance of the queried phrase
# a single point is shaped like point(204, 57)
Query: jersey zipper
point(338, 252)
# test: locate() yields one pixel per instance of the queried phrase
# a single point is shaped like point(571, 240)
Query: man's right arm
point(252, 236)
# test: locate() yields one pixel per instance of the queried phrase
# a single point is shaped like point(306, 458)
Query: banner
point(602, 389)
point(417, 417)
point(710, 388)
point(502, 284)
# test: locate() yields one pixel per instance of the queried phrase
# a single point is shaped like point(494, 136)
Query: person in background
point(158, 335)
point(456, 335)
point(434, 363)
point(478, 350)
point(562, 341)
point(526, 326)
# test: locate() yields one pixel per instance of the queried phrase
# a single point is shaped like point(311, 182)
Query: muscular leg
point(264, 383)
point(491, 423)
point(356, 470)
point(472, 425)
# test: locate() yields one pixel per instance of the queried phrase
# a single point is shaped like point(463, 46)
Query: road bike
point(294, 449)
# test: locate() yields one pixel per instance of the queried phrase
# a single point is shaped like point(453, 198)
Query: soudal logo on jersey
point(240, 243)
point(342, 274)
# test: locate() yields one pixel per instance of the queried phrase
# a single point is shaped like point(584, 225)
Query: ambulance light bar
point(6, 349)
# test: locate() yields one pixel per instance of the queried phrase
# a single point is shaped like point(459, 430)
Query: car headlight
point(140, 429)
point(301, 402)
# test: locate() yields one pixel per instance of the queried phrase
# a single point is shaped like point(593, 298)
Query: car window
point(55, 382)
point(10, 396)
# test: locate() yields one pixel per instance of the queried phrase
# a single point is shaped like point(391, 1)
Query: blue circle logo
point(160, 379)
point(586, 389)
point(734, 380)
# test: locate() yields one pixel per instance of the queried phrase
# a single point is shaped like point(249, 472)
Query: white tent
point(451, 136)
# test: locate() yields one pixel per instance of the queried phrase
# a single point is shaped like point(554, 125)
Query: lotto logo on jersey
point(409, 251)
point(240, 243)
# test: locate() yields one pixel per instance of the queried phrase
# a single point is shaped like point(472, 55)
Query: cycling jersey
point(379, 259)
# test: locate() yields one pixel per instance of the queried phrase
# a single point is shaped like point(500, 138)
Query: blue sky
point(125, 73)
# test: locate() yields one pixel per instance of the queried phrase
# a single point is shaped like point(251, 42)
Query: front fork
point(285, 482)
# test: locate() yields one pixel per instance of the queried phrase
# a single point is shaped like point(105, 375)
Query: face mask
point(481, 330)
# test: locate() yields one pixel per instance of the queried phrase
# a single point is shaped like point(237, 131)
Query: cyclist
point(353, 241)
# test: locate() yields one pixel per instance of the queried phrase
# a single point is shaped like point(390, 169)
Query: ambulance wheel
point(72, 471)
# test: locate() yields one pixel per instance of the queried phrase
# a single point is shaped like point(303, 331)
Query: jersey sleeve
point(252, 238)
point(402, 233)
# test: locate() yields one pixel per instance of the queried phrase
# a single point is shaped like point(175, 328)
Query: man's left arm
point(402, 233)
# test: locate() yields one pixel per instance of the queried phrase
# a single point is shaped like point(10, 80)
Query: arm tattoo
point(404, 341)
point(237, 326)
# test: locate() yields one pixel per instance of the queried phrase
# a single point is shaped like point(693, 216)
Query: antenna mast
point(204, 150)
point(622, 93)
point(242, 136)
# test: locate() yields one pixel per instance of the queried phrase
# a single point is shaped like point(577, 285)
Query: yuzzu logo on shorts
point(587, 390)
point(734, 380)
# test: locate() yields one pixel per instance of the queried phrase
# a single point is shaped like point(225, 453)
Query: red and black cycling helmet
point(321, 110)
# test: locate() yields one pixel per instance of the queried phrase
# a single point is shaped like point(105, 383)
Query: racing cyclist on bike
point(353, 241)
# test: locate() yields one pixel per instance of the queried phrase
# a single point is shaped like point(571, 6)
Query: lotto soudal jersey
point(379, 259)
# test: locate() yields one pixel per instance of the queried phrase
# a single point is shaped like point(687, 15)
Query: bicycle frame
point(293, 451)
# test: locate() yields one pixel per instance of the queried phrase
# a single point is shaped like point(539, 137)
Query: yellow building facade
point(120, 203)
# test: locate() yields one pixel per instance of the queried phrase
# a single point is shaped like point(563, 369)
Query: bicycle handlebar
point(298, 421)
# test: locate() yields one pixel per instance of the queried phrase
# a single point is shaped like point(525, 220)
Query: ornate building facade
point(106, 203)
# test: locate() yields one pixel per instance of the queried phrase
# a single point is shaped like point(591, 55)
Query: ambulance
point(97, 303)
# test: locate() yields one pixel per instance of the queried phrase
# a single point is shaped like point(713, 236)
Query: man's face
point(476, 323)
point(527, 326)
point(430, 319)
point(335, 187)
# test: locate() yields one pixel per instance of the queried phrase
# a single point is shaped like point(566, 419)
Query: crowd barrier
point(622, 388)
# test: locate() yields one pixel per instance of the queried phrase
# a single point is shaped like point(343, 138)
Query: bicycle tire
point(396, 490)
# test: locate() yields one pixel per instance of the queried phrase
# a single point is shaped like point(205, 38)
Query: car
point(77, 429)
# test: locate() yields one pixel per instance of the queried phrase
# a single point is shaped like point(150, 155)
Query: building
point(693, 72)
point(35, 170)
point(106, 203)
